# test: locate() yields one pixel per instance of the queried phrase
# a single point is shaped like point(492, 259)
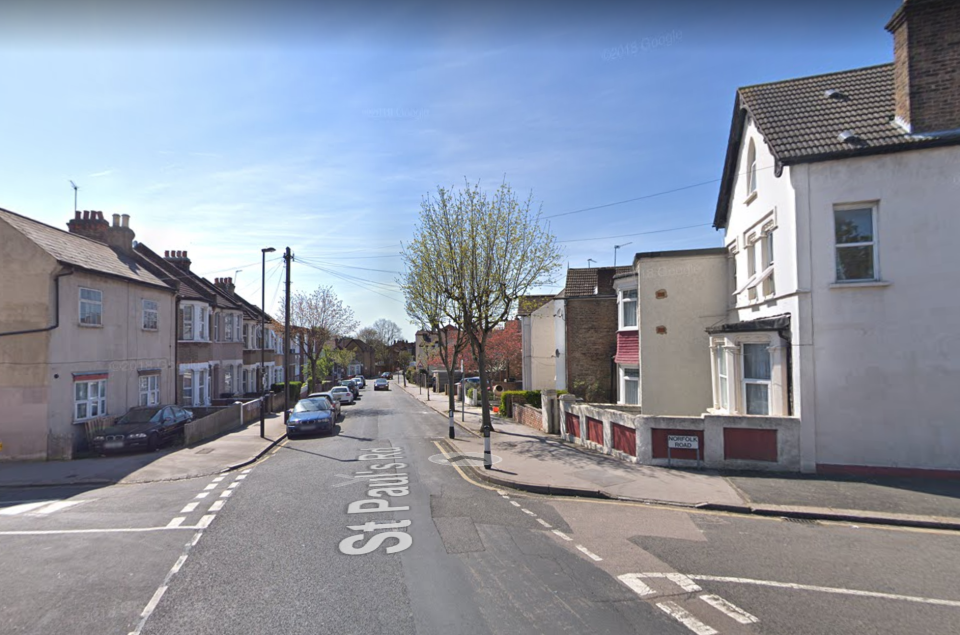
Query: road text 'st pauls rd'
point(381, 486)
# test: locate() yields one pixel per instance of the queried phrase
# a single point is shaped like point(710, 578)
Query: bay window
point(756, 379)
point(628, 308)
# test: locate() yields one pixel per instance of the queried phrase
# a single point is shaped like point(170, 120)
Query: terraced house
point(86, 332)
point(209, 348)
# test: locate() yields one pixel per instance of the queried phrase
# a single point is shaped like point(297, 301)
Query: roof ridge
point(795, 79)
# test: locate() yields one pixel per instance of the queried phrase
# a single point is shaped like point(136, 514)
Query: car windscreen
point(141, 415)
point(312, 405)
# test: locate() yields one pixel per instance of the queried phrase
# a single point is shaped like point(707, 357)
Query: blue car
point(310, 416)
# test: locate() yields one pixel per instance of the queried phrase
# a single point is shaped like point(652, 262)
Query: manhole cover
point(473, 459)
point(204, 451)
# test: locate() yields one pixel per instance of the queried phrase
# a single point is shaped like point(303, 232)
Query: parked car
point(352, 385)
point(310, 416)
point(143, 427)
point(385, 375)
point(360, 381)
point(334, 401)
point(343, 393)
point(381, 384)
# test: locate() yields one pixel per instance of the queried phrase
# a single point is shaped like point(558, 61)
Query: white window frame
point(150, 309)
point(187, 320)
point(751, 168)
point(745, 381)
point(95, 306)
point(188, 380)
point(149, 389)
point(228, 379)
point(203, 323)
point(228, 327)
point(634, 372)
point(203, 388)
point(874, 244)
point(96, 399)
point(624, 301)
point(723, 377)
point(217, 316)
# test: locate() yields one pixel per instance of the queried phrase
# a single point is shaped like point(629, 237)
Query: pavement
point(528, 459)
point(220, 454)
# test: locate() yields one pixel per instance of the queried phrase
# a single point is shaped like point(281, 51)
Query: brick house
point(586, 333)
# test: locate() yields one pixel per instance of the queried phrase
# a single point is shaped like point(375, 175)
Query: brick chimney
point(178, 259)
point(90, 225)
point(926, 64)
point(225, 284)
point(120, 236)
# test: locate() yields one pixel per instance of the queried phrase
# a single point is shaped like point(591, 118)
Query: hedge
point(293, 388)
point(529, 397)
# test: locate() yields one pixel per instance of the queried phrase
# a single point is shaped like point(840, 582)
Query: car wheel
point(153, 442)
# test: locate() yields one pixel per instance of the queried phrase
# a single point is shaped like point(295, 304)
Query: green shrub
point(528, 397)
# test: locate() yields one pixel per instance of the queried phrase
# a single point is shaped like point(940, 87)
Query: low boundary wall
point(222, 420)
point(726, 441)
point(529, 416)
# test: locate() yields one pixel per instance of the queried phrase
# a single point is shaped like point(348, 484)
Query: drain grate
point(204, 451)
point(803, 521)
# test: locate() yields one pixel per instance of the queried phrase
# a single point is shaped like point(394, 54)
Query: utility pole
point(263, 335)
point(287, 257)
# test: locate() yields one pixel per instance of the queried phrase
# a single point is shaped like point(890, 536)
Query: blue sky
point(233, 127)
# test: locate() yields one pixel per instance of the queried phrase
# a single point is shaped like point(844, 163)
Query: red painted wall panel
point(624, 439)
point(659, 444)
point(748, 444)
point(595, 430)
point(573, 424)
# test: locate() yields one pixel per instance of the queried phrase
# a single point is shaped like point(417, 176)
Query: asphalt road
point(360, 532)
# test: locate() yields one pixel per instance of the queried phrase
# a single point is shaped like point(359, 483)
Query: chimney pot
point(76, 215)
point(125, 220)
point(184, 254)
point(166, 253)
point(116, 220)
point(86, 214)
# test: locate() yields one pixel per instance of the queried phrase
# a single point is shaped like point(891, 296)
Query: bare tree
point(432, 311)
point(316, 318)
point(480, 253)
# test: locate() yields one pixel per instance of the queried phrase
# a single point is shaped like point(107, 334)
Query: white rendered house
point(839, 207)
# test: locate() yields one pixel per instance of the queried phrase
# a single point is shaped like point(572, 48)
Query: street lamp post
point(263, 333)
point(615, 248)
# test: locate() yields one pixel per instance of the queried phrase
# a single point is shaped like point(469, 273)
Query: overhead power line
point(656, 231)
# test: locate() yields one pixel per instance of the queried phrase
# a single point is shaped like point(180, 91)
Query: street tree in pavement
point(481, 251)
point(316, 318)
point(380, 336)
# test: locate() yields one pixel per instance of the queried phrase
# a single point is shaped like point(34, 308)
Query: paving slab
point(210, 457)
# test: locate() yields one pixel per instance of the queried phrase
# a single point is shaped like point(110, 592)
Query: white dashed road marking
point(205, 521)
point(589, 553)
point(176, 522)
point(189, 508)
point(217, 505)
point(683, 616)
point(562, 535)
point(38, 508)
point(636, 583)
point(202, 495)
point(515, 503)
point(544, 523)
point(226, 493)
point(731, 610)
point(527, 511)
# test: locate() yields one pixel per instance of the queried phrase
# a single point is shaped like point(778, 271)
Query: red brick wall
point(528, 416)
point(573, 424)
point(624, 439)
point(591, 344)
point(926, 81)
